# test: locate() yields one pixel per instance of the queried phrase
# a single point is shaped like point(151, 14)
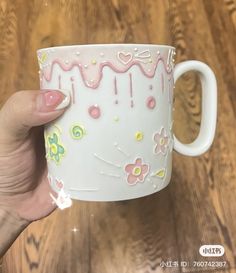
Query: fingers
point(40, 196)
point(27, 109)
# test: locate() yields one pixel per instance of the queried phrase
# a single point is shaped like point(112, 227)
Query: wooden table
point(199, 205)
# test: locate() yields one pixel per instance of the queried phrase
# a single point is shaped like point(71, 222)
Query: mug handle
point(209, 108)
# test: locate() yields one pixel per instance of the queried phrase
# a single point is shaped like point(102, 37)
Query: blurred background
point(199, 205)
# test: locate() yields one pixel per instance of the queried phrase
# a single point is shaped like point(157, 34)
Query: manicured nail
point(50, 100)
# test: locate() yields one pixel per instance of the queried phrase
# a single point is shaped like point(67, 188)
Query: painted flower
point(161, 140)
point(55, 149)
point(136, 172)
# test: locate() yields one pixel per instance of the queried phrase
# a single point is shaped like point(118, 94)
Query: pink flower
point(136, 172)
point(161, 140)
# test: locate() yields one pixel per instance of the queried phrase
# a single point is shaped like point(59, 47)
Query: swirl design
point(77, 131)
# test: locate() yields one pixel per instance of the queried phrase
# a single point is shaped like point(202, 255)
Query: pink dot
point(151, 102)
point(94, 111)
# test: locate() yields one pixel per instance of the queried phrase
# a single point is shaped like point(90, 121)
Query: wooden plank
point(133, 236)
point(200, 189)
point(59, 243)
point(225, 157)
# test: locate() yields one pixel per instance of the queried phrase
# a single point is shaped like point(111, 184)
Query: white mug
point(115, 140)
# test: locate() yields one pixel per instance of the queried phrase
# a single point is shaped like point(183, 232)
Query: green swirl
point(77, 131)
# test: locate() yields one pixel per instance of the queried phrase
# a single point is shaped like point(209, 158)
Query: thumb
point(27, 109)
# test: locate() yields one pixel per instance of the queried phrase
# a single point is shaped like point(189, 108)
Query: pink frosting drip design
point(91, 61)
point(59, 81)
point(170, 87)
point(116, 90)
point(73, 89)
point(162, 83)
point(131, 89)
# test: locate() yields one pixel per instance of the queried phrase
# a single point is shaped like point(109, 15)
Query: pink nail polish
point(53, 98)
point(49, 100)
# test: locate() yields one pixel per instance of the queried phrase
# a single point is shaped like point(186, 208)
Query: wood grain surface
point(199, 205)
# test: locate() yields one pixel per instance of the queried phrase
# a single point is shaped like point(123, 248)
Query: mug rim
point(104, 45)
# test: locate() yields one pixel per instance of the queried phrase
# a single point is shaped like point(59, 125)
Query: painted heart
point(59, 184)
point(125, 58)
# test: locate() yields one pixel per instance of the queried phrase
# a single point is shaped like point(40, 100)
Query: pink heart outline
point(125, 58)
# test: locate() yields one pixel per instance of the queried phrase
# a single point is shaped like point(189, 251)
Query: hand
point(24, 189)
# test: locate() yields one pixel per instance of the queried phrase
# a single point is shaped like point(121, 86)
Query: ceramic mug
point(115, 140)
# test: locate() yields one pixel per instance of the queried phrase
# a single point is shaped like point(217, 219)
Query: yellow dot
point(162, 141)
point(138, 136)
point(54, 148)
point(94, 62)
point(150, 60)
point(137, 171)
point(116, 118)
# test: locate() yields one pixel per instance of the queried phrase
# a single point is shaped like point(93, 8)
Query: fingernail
point(50, 100)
